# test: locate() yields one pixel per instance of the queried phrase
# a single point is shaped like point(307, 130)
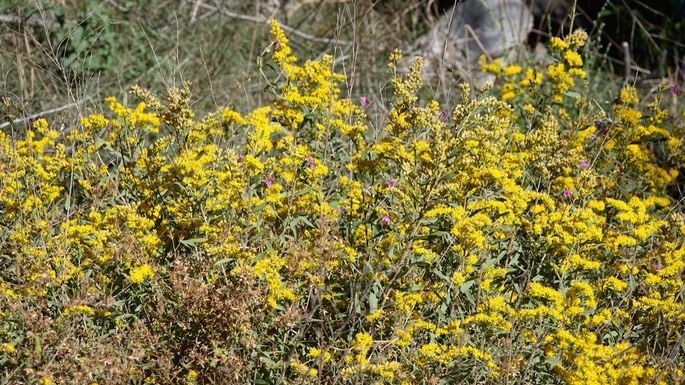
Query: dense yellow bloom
point(78, 309)
point(538, 290)
point(575, 261)
point(560, 78)
point(314, 352)
point(557, 44)
point(268, 268)
point(263, 129)
point(615, 284)
point(466, 241)
point(573, 59)
point(140, 273)
point(512, 70)
point(387, 370)
point(362, 341)
point(628, 95)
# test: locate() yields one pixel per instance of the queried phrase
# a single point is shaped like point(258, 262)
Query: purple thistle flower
point(657, 266)
point(584, 164)
point(277, 44)
point(386, 220)
point(389, 183)
point(267, 182)
point(364, 101)
point(310, 162)
point(674, 90)
point(568, 193)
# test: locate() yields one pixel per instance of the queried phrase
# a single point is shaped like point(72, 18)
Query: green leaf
point(193, 241)
point(572, 94)
point(260, 207)
point(373, 303)
point(223, 261)
point(77, 38)
point(442, 275)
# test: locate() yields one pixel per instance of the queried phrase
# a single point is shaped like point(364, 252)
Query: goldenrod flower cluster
point(295, 243)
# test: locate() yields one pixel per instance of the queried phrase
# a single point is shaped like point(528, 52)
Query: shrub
point(525, 236)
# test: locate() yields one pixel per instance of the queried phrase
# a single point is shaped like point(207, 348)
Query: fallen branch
point(39, 114)
point(263, 20)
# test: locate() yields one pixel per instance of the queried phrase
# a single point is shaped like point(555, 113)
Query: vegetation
point(528, 230)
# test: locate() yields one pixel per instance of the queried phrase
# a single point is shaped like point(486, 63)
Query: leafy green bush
point(520, 238)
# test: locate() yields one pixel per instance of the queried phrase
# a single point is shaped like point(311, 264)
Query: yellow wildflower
point(557, 44)
point(140, 273)
point(573, 59)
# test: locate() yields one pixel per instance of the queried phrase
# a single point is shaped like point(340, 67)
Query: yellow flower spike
point(281, 50)
point(573, 59)
point(263, 129)
point(578, 38)
point(268, 269)
point(557, 44)
point(628, 95)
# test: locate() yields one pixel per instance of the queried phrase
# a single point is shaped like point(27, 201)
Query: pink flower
point(340, 210)
point(267, 182)
point(389, 183)
point(277, 44)
point(364, 101)
point(657, 266)
point(584, 164)
point(568, 193)
point(310, 162)
point(674, 90)
point(386, 220)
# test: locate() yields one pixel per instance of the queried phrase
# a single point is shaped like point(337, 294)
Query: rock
point(555, 11)
point(474, 28)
